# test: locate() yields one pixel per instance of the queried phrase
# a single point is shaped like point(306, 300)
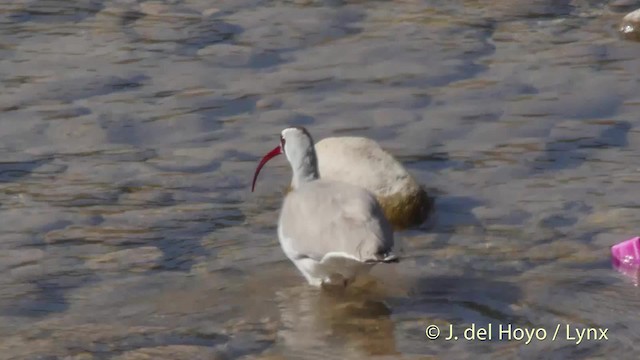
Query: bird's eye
point(282, 142)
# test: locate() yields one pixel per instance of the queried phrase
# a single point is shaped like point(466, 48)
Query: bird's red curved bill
point(273, 153)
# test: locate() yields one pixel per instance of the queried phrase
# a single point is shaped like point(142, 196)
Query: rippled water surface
point(129, 132)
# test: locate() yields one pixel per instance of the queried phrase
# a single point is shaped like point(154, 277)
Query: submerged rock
point(363, 162)
point(630, 26)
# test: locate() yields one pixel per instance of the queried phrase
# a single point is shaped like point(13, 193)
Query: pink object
point(626, 257)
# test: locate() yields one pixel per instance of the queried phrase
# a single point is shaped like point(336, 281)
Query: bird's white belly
point(325, 271)
point(317, 272)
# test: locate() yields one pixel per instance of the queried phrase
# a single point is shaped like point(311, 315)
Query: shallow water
point(130, 131)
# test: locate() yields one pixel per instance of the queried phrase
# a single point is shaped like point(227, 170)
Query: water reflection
point(356, 322)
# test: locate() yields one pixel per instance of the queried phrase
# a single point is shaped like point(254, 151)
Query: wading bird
point(332, 231)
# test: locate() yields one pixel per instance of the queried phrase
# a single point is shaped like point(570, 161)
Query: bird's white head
point(297, 145)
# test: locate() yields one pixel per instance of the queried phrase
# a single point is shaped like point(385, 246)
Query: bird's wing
point(326, 217)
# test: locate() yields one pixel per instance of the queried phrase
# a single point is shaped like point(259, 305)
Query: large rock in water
point(361, 161)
